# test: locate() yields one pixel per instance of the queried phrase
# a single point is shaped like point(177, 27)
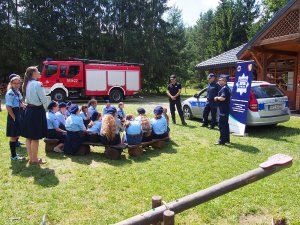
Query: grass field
point(94, 190)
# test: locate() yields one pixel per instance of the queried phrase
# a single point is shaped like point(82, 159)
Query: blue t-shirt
point(92, 109)
point(96, 127)
point(13, 98)
point(159, 126)
point(224, 105)
point(134, 128)
point(121, 113)
point(83, 115)
point(74, 123)
point(35, 94)
point(61, 118)
point(52, 122)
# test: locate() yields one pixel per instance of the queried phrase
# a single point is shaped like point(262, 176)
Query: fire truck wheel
point(116, 95)
point(58, 95)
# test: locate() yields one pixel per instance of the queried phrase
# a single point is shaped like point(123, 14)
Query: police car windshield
point(267, 91)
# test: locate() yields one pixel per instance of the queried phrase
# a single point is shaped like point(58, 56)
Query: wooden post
point(156, 202)
point(169, 217)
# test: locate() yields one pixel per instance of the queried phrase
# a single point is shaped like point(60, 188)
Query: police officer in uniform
point(173, 91)
point(223, 100)
point(211, 106)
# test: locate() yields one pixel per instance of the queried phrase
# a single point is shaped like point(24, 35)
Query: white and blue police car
point(267, 105)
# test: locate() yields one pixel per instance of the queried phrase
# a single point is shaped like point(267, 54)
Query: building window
point(281, 73)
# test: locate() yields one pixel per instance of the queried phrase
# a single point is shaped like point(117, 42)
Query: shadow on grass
point(277, 133)
point(44, 177)
point(99, 157)
point(150, 152)
point(244, 148)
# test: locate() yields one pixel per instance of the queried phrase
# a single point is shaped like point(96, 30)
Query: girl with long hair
point(110, 130)
point(34, 125)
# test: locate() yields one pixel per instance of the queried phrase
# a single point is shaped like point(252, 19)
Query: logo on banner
point(242, 84)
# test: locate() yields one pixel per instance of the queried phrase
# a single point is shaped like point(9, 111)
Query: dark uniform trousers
point(176, 102)
point(224, 128)
point(210, 107)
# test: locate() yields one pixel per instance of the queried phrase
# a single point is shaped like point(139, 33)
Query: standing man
point(174, 90)
point(223, 100)
point(211, 105)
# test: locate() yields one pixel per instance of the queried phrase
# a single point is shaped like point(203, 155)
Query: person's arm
point(222, 97)
point(40, 90)
point(60, 130)
point(168, 93)
point(10, 112)
point(178, 93)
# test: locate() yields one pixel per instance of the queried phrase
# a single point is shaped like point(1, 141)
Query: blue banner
point(240, 97)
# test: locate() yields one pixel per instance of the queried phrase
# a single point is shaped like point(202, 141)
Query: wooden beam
point(258, 61)
point(272, 51)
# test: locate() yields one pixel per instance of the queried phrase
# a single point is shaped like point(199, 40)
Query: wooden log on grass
point(274, 164)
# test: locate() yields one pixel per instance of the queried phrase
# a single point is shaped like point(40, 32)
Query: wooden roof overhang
point(279, 38)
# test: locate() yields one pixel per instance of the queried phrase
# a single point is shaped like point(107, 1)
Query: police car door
point(202, 101)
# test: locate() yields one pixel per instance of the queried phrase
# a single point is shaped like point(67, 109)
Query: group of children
point(72, 126)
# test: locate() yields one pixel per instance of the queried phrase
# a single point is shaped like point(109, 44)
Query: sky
point(191, 9)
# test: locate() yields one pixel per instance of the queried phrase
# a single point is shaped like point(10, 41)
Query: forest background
point(141, 31)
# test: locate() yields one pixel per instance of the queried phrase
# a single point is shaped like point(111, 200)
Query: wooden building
point(276, 51)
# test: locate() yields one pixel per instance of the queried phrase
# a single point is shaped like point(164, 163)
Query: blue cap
point(69, 103)
point(106, 101)
point(210, 75)
point(12, 76)
point(111, 110)
point(51, 105)
point(158, 110)
point(74, 109)
point(141, 110)
point(62, 105)
point(224, 76)
point(94, 116)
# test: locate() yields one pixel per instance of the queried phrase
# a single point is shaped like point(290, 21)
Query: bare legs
point(32, 147)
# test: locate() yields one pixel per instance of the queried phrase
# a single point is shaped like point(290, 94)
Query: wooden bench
point(136, 150)
point(111, 151)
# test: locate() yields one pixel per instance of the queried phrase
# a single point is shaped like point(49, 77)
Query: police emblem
point(242, 84)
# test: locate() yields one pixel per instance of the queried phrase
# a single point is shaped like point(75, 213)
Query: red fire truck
point(83, 78)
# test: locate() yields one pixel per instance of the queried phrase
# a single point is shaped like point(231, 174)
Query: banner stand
point(240, 98)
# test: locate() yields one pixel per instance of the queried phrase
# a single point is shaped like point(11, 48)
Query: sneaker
point(18, 158)
point(57, 150)
point(18, 144)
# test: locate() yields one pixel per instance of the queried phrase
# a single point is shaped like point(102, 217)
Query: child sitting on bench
point(54, 132)
point(94, 128)
point(159, 124)
point(110, 129)
point(132, 134)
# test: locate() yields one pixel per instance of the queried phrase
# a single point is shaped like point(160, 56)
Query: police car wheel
point(58, 95)
point(115, 96)
point(187, 112)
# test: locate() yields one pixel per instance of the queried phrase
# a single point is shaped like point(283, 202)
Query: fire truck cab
point(83, 78)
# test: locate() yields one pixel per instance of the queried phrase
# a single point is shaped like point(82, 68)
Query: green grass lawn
point(94, 190)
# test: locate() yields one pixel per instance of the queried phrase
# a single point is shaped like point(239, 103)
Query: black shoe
point(219, 143)
point(184, 124)
point(204, 125)
point(211, 128)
